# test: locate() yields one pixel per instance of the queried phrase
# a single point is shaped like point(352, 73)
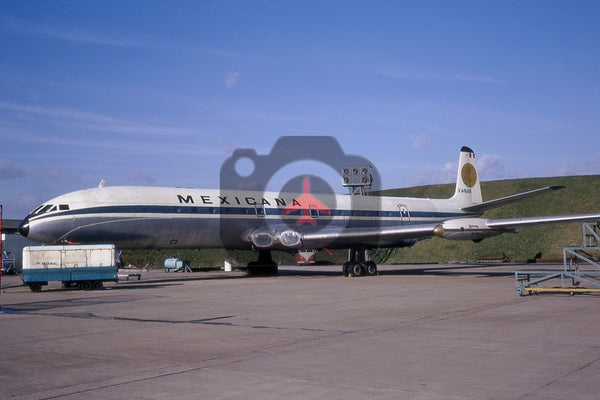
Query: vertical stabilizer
point(468, 189)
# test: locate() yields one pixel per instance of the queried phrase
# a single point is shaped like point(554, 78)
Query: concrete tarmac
point(414, 332)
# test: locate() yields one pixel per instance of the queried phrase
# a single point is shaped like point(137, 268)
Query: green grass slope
point(581, 195)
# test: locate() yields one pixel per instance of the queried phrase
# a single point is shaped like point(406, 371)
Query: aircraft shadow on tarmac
point(415, 269)
point(39, 306)
point(453, 270)
point(425, 269)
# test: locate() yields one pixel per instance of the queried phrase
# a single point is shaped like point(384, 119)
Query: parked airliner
point(163, 218)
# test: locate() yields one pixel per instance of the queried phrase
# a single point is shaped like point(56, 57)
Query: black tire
point(98, 285)
point(35, 287)
point(86, 285)
point(356, 269)
point(252, 268)
point(371, 268)
point(346, 268)
point(262, 270)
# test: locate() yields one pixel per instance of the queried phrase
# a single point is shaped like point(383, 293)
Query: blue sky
point(160, 93)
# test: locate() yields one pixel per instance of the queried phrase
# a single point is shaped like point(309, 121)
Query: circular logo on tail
point(469, 175)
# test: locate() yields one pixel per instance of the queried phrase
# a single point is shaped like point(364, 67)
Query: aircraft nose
point(24, 227)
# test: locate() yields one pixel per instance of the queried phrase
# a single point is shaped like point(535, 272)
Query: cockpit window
point(42, 209)
point(45, 208)
point(37, 210)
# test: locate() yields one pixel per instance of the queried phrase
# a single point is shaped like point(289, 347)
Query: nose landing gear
point(264, 265)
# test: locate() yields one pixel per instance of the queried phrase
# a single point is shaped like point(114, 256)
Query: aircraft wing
point(380, 236)
point(453, 229)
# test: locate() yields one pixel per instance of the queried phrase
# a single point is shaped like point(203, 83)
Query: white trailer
point(87, 266)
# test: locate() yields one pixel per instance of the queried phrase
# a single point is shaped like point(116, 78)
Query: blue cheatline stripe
point(150, 209)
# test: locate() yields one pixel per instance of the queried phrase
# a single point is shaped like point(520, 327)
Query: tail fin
point(468, 189)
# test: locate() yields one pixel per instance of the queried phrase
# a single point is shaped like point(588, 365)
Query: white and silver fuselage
point(153, 217)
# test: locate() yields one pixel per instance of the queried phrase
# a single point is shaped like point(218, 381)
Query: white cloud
point(19, 26)
point(448, 173)
point(55, 173)
point(28, 201)
point(432, 176)
point(8, 170)
point(22, 27)
point(93, 121)
point(579, 167)
point(491, 167)
point(141, 177)
point(231, 79)
point(419, 141)
point(226, 146)
point(434, 76)
point(34, 95)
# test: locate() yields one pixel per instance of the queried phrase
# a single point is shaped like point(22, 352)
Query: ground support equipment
point(572, 279)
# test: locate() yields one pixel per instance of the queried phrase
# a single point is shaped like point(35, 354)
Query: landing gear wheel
point(359, 263)
point(254, 268)
point(356, 269)
point(346, 268)
point(371, 268)
point(35, 287)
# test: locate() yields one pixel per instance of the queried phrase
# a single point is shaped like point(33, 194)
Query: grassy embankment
point(581, 195)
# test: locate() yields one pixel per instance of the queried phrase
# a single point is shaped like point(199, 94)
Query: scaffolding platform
point(572, 278)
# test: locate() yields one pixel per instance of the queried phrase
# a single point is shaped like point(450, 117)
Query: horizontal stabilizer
point(513, 223)
point(486, 205)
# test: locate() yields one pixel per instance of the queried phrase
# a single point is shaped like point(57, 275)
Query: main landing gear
point(264, 265)
point(359, 264)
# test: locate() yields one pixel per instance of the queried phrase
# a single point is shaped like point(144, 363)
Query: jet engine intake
point(290, 238)
point(266, 239)
point(262, 239)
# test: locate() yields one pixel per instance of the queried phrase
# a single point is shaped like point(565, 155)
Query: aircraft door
point(260, 210)
point(404, 214)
